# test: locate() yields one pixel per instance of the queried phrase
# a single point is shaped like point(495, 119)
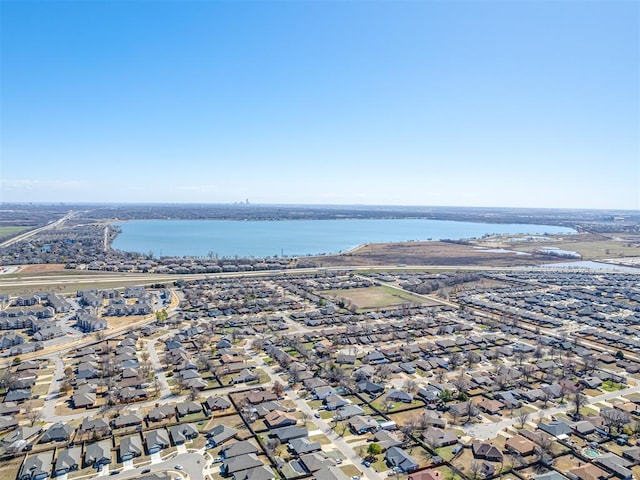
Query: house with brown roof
point(490, 406)
point(486, 451)
point(429, 474)
point(520, 445)
point(276, 419)
point(588, 471)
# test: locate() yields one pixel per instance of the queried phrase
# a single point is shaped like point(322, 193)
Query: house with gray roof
point(18, 395)
point(220, 434)
point(301, 446)
point(97, 454)
point(286, 434)
point(396, 395)
point(233, 465)
point(130, 447)
point(258, 473)
point(552, 475)
point(129, 420)
point(161, 412)
point(68, 460)
point(362, 424)
point(238, 448)
point(157, 440)
point(437, 437)
point(349, 411)
point(330, 473)
point(182, 433)
point(58, 432)
point(557, 428)
point(36, 467)
point(386, 439)
point(188, 408)
point(397, 457)
point(217, 403)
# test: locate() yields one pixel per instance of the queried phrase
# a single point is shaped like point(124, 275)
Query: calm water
point(227, 238)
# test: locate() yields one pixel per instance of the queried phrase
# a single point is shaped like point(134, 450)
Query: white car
point(178, 467)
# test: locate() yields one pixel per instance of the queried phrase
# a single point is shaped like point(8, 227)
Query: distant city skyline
point(486, 103)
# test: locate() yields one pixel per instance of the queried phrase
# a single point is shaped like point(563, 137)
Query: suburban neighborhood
point(328, 375)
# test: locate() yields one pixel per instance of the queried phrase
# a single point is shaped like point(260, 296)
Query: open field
point(425, 254)
point(373, 297)
point(591, 248)
point(12, 230)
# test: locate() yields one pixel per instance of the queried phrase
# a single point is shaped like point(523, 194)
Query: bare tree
point(474, 469)
point(410, 385)
point(408, 430)
point(589, 363)
point(31, 413)
point(615, 419)
point(523, 417)
point(455, 360)
point(277, 389)
point(578, 399)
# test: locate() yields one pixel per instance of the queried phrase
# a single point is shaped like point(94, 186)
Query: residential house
point(277, 419)
point(301, 446)
point(361, 424)
point(36, 467)
point(127, 420)
point(68, 460)
point(588, 471)
point(349, 411)
point(161, 412)
point(398, 458)
point(220, 434)
point(97, 454)
point(188, 408)
point(182, 433)
point(557, 428)
point(386, 439)
point(58, 432)
point(486, 451)
point(428, 474)
point(286, 434)
point(217, 403)
point(312, 462)
point(233, 465)
point(370, 388)
point(436, 437)
point(236, 449)
point(399, 396)
point(130, 447)
point(157, 440)
point(332, 402)
point(520, 445)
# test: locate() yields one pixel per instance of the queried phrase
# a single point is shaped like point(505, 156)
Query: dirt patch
point(49, 267)
point(425, 254)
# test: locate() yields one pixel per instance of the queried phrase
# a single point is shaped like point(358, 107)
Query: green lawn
point(11, 230)
point(372, 297)
point(610, 386)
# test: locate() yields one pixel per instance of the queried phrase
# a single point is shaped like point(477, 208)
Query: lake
point(228, 238)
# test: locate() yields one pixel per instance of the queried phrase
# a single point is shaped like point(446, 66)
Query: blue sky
point(478, 103)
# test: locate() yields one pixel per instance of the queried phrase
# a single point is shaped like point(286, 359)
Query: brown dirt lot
point(53, 267)
point(424, 254)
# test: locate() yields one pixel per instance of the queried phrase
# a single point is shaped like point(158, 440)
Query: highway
point(30, 233)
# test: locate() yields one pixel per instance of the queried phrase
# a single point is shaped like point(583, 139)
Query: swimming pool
point(590, 452)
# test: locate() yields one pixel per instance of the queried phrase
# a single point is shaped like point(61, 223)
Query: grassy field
point(11, 230)
point(592, 247)
point(425, 254)
point(373, 297)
